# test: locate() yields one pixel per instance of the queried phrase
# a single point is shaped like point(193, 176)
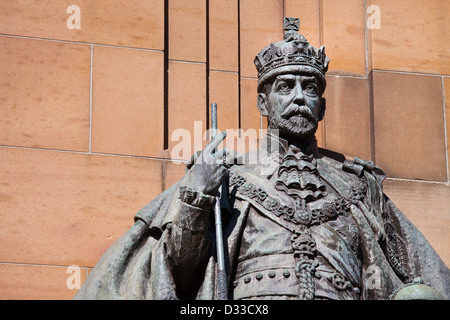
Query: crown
point(294, 52)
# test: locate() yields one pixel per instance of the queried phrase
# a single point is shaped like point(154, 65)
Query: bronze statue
point(298, 222)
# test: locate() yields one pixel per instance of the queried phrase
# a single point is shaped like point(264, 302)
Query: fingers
point(221, 154)
point(224, 153)
point(210, 155)
point(193, 159)
point(210, 147)
point(229, 158)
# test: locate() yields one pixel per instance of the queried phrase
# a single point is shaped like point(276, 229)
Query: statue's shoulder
point(332, 160)
point(333, 155)
point(355, 166)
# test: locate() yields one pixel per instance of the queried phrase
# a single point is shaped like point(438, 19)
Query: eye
point(283, 87)
point(311, 88)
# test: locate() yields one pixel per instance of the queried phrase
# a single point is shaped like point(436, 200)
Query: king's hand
point(207, 169)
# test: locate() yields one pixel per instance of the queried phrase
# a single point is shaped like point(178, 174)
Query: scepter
point(222, 292)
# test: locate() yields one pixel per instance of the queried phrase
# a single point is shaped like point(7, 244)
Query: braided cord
point(305, 273)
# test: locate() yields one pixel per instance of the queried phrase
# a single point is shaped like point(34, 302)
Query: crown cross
point(291, 24)
point(294, 52)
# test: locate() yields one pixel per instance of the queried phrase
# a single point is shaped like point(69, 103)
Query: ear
point(262, 105)
point(322, 107)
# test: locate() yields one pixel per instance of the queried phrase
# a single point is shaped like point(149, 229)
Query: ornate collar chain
point(299, 178)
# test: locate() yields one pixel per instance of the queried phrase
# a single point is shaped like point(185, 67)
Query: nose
point(299, 99)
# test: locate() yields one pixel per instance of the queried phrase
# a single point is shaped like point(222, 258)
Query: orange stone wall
point(87, 115)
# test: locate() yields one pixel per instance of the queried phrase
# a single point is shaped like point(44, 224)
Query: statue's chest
point(286, 230)
point(274, 262)
point(278, 253)
point(300, 239)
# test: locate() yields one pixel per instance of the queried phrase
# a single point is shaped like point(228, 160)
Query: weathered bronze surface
point(299, 222)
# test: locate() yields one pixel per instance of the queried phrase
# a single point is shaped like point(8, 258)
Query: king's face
point(291, 94)
point(294, 104)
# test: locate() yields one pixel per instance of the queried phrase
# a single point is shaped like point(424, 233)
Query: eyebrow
point(309, 78)
point(285, 77)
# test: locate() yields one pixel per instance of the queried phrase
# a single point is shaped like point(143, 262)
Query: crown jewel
point(294, 51)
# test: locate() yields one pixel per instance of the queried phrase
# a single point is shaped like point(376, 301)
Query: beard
point(294, 123)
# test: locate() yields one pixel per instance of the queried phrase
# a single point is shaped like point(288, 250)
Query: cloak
point(135, 266)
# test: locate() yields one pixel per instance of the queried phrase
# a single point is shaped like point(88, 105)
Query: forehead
point(266, 83)
point(292, 76)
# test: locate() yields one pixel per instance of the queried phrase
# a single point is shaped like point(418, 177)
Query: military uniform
point(269, 265)
point(291, 250)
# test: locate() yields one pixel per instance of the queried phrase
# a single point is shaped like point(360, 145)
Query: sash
point(262, 195)
point(280, 207)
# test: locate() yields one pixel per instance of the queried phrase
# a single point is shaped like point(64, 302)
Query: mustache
point(295, 110)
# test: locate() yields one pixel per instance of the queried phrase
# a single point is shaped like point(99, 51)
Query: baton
point(222, 292)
